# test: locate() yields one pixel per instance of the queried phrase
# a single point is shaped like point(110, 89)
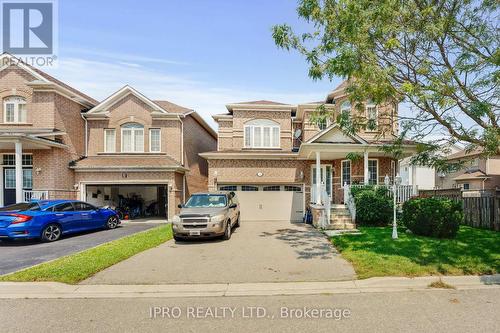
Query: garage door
point(269, 202)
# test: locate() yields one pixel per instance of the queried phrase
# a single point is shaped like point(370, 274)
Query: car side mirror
point(233, 205)
point(180, 205)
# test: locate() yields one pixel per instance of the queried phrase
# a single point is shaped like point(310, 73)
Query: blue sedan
point(49, 219)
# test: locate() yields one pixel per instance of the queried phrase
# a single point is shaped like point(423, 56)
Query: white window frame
point(368, 106)
point(106, 130)
point(378, 175)
point(251, 127)
point(159, 140)
point(16, 101)
point(132, 137)
point(342, 172)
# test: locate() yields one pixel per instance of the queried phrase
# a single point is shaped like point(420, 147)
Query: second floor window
point(262, 133)
point(345, 108)
point(109, 140)
point(132, 138)
point(14, 110)
point(155, 140)
point(371, 117)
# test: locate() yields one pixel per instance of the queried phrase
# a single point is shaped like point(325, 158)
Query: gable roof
point(333, 134)
point(261, 102)
point(43, 78)
point(102, 107)
point(464, 153)
point(173, 108)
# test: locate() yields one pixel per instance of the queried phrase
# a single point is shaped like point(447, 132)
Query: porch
point(17, 167)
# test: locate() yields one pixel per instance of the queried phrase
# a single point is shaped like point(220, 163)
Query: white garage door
point(269, 202)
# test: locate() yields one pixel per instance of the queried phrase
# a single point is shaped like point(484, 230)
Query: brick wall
point(196, 140)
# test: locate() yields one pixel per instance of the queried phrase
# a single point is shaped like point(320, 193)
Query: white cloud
point(100, 79)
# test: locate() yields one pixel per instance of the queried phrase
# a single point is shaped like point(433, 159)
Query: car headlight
point(217, 219)
point(176, 219)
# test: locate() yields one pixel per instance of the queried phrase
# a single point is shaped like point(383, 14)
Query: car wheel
point(112, 222)
point(237, 224)
point(51, 233)
point(178, 239)
point(227, 233)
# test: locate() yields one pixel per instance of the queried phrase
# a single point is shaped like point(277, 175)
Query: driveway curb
point(42, 290)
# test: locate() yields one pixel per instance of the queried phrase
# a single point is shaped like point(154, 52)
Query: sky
point(198, 54)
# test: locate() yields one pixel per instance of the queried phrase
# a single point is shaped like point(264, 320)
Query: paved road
point(21, 254)
point(272, 251)
point(423, 311)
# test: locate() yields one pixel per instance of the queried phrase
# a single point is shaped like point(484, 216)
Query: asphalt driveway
point(257, 252)
point(16, 255)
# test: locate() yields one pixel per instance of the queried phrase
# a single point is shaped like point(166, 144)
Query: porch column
point(367, 176)
point(318, 178)
point(19, 171)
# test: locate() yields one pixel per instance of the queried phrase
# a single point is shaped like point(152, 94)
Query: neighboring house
point(270, 154)
point(423, 177)
point(476, 173)
point(75, 147)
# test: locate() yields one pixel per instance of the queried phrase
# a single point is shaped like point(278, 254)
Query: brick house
point(476, 172)
point(270, 154)
point(60, 143)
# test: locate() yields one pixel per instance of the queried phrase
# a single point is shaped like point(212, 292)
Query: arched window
point(132, 138)
point(345, 108)
point(262, 133)
point(14, 108)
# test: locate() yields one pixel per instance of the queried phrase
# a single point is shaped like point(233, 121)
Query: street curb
point(44, 290)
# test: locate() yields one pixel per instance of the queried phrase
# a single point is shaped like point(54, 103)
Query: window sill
point(256, 148)
point(16, 124)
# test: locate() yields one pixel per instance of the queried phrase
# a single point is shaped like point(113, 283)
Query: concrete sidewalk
point(17, 290)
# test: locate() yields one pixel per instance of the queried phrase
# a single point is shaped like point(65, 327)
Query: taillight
point(20, 218)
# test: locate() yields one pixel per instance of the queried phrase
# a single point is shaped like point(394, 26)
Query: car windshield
point(206, 201)
point(23, 206)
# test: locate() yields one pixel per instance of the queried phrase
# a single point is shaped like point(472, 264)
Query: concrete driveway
point(257, 252)
point(16, 255)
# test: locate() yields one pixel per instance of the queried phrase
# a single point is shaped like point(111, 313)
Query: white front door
point(326, 180)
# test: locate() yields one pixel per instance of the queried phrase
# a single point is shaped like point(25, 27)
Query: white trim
point(318, 135)
point(370, 105)
point(378, 172)
point(253, 136)
point(342, 172)
point(323, 166)
point(117, 96)
point(16, 101)
point(132, 138)
point(159, 140)
point(106, 140)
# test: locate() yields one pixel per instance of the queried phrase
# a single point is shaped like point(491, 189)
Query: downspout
point(86, 135)
point(182, 140)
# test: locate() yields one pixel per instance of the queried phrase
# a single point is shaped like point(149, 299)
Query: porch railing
point(349, 202)
point(325, 199)
point(403, 192)
point(35, 195)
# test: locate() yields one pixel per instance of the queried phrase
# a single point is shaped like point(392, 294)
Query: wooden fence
point(481, 209)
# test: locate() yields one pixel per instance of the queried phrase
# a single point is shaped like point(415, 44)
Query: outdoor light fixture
point(260, 174)
point(38, 171)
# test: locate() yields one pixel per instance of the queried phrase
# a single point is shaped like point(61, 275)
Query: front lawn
point(82, 265)
point(375, 253)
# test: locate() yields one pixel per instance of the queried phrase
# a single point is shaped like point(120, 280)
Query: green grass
point(375, 253)
point(82, 265)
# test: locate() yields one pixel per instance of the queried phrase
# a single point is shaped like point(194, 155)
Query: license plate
point(194, 233)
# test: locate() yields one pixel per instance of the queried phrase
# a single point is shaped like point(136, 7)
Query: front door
point(326, 180)
point(9, 184)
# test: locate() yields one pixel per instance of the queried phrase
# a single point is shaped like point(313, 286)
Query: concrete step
point(341, 226)
point(340, 213)
point(338, 206)
point(336, 233)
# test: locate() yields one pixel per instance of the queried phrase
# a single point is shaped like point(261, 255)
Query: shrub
point(373, 206)
point(434, 217)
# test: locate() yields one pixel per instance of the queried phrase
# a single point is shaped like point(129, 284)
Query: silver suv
point(207, 215)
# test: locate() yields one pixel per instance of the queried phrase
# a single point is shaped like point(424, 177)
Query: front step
point(340, 218)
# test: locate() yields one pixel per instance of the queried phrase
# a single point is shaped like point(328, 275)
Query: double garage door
point(269, 202)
